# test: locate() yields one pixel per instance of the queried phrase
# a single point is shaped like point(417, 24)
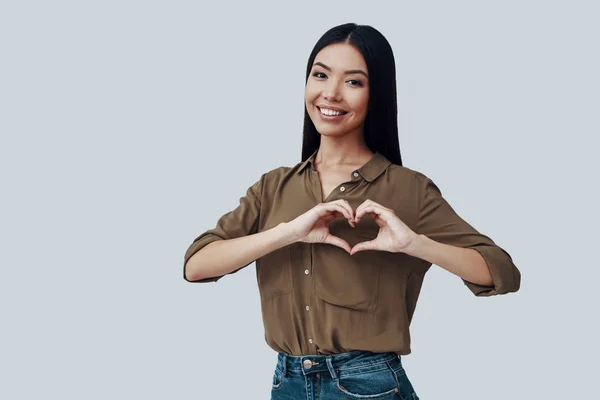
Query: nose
point(331, 91)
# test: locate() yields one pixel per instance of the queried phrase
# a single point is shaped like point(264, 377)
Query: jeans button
point(307, 364)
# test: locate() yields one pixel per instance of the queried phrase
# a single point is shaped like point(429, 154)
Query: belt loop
point(331, 369)
point(284, 364)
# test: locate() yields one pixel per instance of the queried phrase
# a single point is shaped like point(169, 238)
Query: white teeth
point(330, 112)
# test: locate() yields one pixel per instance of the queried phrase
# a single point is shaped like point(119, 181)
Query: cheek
point(360, 103)
point(310, 94)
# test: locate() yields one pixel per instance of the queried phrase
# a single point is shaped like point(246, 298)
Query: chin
point(334, 131)
point(328, 131)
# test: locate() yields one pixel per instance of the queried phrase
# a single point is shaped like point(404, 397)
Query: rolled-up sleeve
point(438, 221)
point(241, 221)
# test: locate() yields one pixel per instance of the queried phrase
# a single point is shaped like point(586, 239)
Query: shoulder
point(408, 175)
point(276, 174)
point(272, 179)
point(415, 181)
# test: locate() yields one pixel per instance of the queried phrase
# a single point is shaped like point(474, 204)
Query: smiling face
point(337, 91)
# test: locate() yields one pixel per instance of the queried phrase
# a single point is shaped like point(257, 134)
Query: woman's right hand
point(313, 225)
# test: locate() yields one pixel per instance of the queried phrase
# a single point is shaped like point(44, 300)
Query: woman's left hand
point(394, 236)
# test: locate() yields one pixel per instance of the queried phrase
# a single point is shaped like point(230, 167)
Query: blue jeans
point(353, 375)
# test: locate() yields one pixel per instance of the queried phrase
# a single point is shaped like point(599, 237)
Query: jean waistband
point(298, 365)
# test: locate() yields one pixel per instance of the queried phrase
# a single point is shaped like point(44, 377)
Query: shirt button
point(309, 340)
point(306, 271)
point(307, 308)
point(355, 174)
point(342, 188)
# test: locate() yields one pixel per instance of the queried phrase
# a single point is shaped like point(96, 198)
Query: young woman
point(343, 239)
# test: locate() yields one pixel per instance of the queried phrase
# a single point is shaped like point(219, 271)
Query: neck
point(342, 150)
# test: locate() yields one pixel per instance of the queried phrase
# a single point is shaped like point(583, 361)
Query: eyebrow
point(351, 71)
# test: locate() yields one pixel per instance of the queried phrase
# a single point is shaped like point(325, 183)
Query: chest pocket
point(274, 273)
point(344, 280)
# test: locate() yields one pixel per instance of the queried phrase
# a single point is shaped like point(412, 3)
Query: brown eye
point(317, 75)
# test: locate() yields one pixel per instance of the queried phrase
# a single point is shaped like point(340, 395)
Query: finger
point(368, 203)
point(332, 207)
point(375, 209)
point(370, 245)
point(328, 218)
point(336, 241)
point(347, 206)
point(371, 202)
point(329, 208)
point(333, 215)
point(360, 207)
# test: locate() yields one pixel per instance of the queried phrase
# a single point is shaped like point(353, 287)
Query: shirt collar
point(370, 170)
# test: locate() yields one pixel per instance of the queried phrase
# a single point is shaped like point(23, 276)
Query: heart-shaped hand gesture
point(394, 235)
point(313, 226)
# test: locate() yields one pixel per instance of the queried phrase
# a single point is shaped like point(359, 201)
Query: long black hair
point(381, 123)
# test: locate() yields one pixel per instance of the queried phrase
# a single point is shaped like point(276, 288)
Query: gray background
point(116, 115)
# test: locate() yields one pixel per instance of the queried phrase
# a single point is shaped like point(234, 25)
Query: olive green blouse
point(318, 299)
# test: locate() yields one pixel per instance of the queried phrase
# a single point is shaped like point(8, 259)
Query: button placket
point(308, 273)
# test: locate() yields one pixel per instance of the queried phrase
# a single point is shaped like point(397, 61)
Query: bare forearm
point(224, 256)
point(465, 263)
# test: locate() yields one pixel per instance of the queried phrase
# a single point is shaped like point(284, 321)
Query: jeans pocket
point(405, 387)
point(277, 379)
point(378, 382)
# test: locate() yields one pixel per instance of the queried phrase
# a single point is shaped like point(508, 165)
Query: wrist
point(416, 243)
point(286, 233)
